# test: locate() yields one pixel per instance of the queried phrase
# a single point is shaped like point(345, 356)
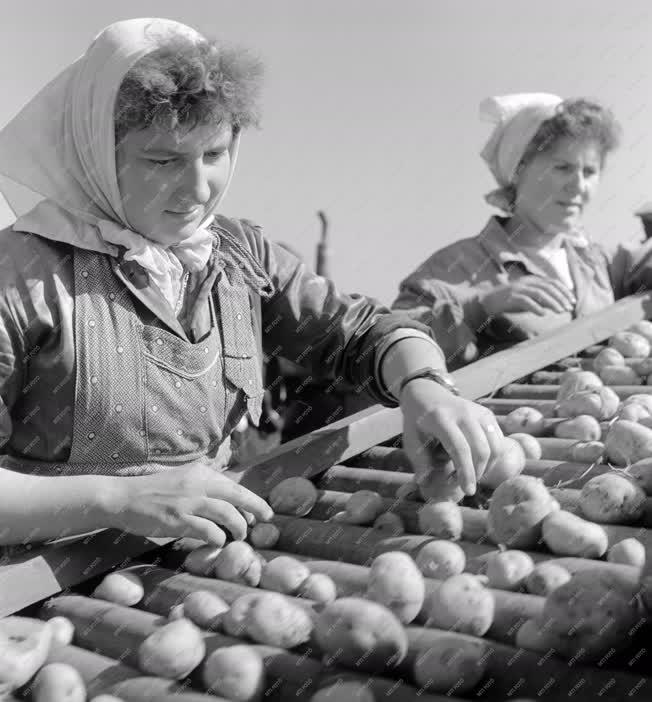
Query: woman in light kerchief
point(533, 267)
point(131, 312)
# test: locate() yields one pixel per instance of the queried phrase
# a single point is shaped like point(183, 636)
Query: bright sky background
point(370, 108)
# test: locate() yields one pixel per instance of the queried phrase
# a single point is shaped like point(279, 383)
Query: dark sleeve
point(12, 356)
point(630, 268)
point(310, 322)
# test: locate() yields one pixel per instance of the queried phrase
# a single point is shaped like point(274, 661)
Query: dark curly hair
point(578, 119)
point(185, 84)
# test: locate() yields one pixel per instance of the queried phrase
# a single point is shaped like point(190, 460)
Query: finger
point(526, 303)
point(204, 529)
point(557, 289)
point(249, 517)
point(223, 488)
point(494, 435)
point(545, 298)
point(454, 441)
point(475, 434)
point(222, 513)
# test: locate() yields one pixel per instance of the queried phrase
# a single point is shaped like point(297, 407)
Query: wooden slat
point(523, 391)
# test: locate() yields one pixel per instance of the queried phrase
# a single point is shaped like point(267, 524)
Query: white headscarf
point(517, 119)
point(57, 157)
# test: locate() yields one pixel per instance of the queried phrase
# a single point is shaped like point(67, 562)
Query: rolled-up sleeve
point(310, 322)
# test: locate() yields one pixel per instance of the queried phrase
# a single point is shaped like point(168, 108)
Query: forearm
point(406, 356)
point(38, 508)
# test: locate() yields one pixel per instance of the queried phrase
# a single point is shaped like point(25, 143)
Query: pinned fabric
point(57, 157)
point(517, 119)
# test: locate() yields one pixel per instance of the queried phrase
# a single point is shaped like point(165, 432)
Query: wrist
point(441, 380)
point(111, 499)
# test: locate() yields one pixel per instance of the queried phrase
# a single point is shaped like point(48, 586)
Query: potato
point(63, 630)
point(340, 690)
point(441, 484)
point(639, 398)
point(630, 344)
point(201, 561)
point(58, 682)
point(284, 574)
point(633, 412)
point(644, 328)
point(641, 473)
point(612, 499)
point(237, 562)
point(107, 698)
point(264, 535)
point(507, 464)
point(461, 603)
point(451, 664)
point(318, 587)
point(524, 419)
point(566, 534)
point(516, 511)
point(363, 507)
point(275, 620)
point(620, 375)
point(123, 588)
point(596, 607)
point(545, 577)
point(608, 357)
point(574, 380)
point(172, 651)
point(234, 620)
point(396, 582)
point(352, 630)
point(441, 519)
point(507, 570)
point(390, 523)
point(628, 442)
point(24, 647)
point(628, 552)
point(234, 672)
point(642, 366)
point(205, 609)
point(587, 451)
point(533, 635)
point(583, 428)
point(440, 559)
point(408, 491)
point(601, 403)
point(293, 496)
point(530, 445)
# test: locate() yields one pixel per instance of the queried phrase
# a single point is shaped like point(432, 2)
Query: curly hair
point(578, 119)
point(185, 84)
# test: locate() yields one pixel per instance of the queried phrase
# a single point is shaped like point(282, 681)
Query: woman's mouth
point(184, 214)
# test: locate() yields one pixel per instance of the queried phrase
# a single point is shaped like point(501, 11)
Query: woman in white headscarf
point(132, 314)
point(533, 268)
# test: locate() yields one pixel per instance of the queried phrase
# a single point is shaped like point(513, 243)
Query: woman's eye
point(160, 162)
point(215, 154)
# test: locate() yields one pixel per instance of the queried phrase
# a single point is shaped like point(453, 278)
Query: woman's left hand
point(467, 431)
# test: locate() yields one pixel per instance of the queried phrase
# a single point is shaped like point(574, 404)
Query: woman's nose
point(195, 186)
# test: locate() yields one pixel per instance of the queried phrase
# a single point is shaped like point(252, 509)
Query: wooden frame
point(44, 571)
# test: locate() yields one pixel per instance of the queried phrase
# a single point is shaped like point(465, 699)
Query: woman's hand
point(188, 501)
point(467, 431)
point(531, 293)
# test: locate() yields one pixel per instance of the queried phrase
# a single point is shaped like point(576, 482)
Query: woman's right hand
point(532, 293)
point(194, 500)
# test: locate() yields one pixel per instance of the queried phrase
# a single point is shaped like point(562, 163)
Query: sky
point(370, 109)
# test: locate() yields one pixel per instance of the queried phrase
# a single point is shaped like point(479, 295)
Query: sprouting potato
point(123, 588)
point(507, 464)
point(293, 496)
point(237, 562)
point(284, 574)
point(264, 535)
point(461, 603)
point(524, 419)
point(587, 451)
point(173, 650)
point(440, 559)
point(516, 511)
point(530, 445)
point(612, 499)
point(235, 673)
point(545, 577)
point(318, 587)
point(574, 380)
point(608, 357)
point(396, 582)
point(582, 428)
point(352, 630)
point(601, 403)
point(628, 442)
point(630, 344)
point(441, 519)
point(628, 552)
point(507, 570)
point(566, 534)
point(451, 663)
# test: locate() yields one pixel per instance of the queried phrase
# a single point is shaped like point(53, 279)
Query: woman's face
point(553, 189)
point(170, 180)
